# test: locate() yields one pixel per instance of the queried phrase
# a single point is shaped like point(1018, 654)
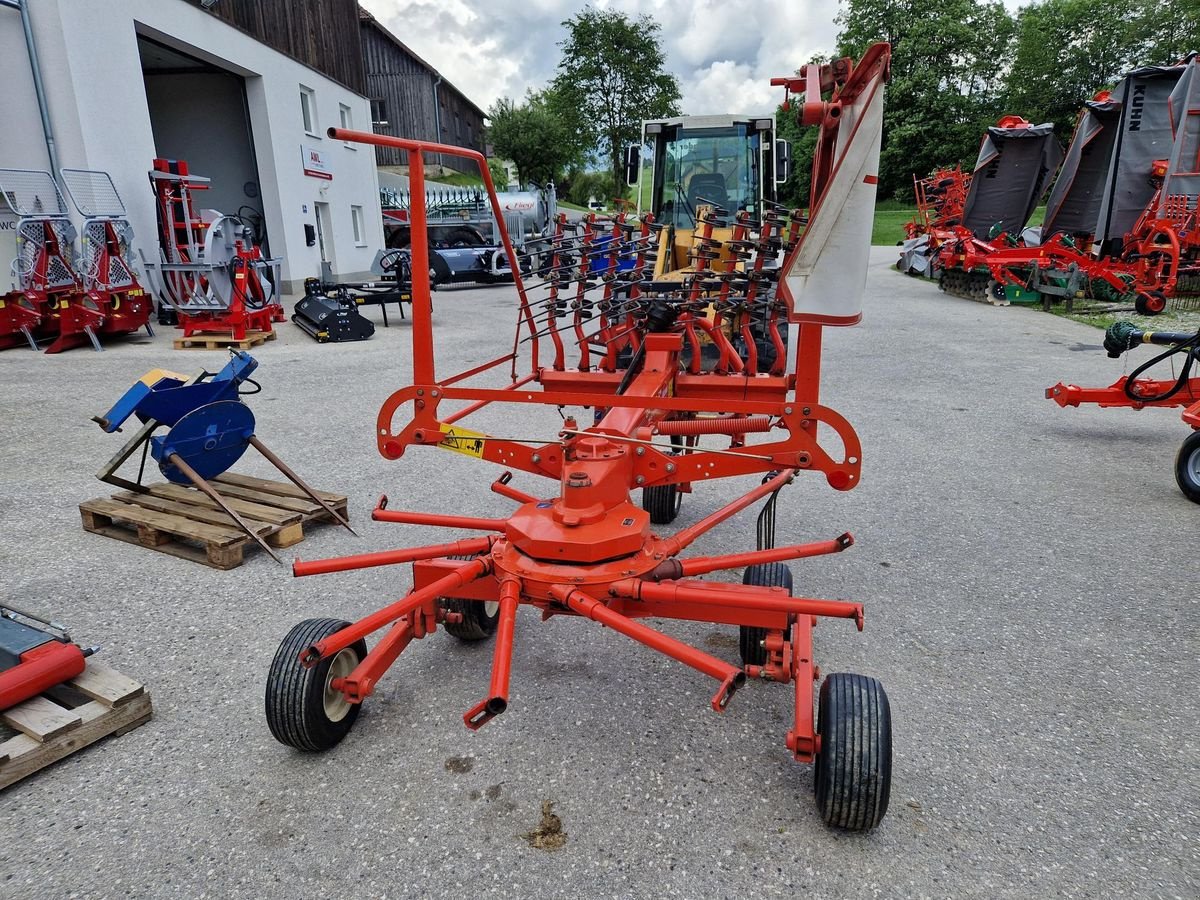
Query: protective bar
point(469, 547)
point(731, 678)
point(340, 640)
point(497, 699)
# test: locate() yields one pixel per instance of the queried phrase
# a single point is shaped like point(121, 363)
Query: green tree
point(533, 135)
point(947, 64)
point(610, 77)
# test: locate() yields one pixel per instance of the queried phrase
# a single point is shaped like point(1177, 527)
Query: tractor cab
point(689, 162)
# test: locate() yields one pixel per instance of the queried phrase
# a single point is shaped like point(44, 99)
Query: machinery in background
point(586, 550)
point(940, 201)
point(463, 234)
point(208, 430)
point(105, 265)
point(1138, 392)
point(36, 654)
point(329, 314)
point(57, 295)
point(209, 270)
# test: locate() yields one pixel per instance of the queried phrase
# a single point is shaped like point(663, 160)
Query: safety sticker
point(460, 440)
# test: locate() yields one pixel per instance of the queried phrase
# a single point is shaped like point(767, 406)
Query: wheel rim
point(491, 607)
point(337, 707)
point(1192, 467)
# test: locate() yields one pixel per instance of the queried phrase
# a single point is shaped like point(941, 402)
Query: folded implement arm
point(633, 350)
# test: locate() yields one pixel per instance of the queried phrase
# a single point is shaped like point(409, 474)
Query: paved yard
point(1029, 574)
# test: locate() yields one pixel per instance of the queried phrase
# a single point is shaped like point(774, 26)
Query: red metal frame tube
point(497, 699)
point(737, 596)
point(731, 678)
point(671, 569)
point(340, 640)
point(382, 514)
point(803, 740)
point(359, 684)
point(39, 669)
point(469, 547)
point(480, 404)
point(687, 536)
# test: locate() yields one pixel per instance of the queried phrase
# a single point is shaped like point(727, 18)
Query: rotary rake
point(630, 349)
point(1135, 391)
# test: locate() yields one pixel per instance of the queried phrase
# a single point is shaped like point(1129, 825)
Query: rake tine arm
point(472, 571)
point(682, 539)
point(497, 698)
point(739, 596)
point(470, 547)
point(382, 514)
point(731, 678)
point(502, 487)
point(671, 569)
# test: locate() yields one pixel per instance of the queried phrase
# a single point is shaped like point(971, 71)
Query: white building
point(127, 81)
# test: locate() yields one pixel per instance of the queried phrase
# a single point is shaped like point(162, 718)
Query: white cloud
point(724, 52)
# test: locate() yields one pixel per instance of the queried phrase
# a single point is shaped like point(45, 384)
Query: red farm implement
point(58, 297)
point(940, 201)
point(209, 272)
point(1135, 391)
point(619, 344)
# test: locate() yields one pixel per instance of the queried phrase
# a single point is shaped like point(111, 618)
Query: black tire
point(1187, 467)
point(853, 774)
point(662, 501)
point(750, 639)
point(299, 712)
point(1150, 304)
point(479, 619)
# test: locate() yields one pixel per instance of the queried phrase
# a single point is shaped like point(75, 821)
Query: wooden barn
point(410, 98)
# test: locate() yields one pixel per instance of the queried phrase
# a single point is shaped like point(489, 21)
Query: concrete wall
point(93, 78)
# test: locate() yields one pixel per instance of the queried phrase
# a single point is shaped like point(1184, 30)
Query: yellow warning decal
point(460, 440)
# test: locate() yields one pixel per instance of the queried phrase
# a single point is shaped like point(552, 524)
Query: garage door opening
point(198, 113)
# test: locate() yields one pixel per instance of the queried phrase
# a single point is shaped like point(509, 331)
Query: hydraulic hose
point(1121, 336)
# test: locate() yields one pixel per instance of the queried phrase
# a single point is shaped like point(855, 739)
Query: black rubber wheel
point(479, 619)
point(301, 710)
point(1150, 304)
point(853, 775)
point(662, 501)
point(1187, 467)
point(750, 639)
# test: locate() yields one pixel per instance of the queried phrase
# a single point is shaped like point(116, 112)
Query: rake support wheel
point(303, 711)
point(750, 639)
point(853, 774)
point(479, 618)
point(1187, 467)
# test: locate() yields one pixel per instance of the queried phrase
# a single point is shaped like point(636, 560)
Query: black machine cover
point(1074, 204)
point(1013, 170)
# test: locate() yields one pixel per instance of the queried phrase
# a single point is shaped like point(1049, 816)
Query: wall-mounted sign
point(316, 163)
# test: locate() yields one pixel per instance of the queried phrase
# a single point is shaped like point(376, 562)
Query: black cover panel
point(1074, 205)
point(1143, 136)
point(1014, 168)
point(329, 319)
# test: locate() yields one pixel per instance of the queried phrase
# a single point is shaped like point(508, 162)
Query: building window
point(360, 230)
point(346, 118)
point(379, 112)
point(308, 109)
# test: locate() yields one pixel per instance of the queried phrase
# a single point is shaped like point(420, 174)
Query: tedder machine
point(64, 297)
point(209, 272)
point(617, 337)
point(1137, 391)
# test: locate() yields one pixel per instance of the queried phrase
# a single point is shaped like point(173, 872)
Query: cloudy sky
point(723, 51)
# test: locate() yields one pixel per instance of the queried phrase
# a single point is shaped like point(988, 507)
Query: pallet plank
point(106, 685)
point(177, 525)
point(280, 488)
point(224, 342)
point(247, 510)
point(304, 507)
point(40, 718)
point(206, 514)
point(21, 756)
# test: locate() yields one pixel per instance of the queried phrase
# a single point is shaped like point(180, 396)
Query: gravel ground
point(1030, 581)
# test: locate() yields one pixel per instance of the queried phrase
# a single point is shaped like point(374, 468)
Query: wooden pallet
point(183, 522)
point(66, 718)
point(223, 341)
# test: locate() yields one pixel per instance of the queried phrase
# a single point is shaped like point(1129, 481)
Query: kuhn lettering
point(1135, 107)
